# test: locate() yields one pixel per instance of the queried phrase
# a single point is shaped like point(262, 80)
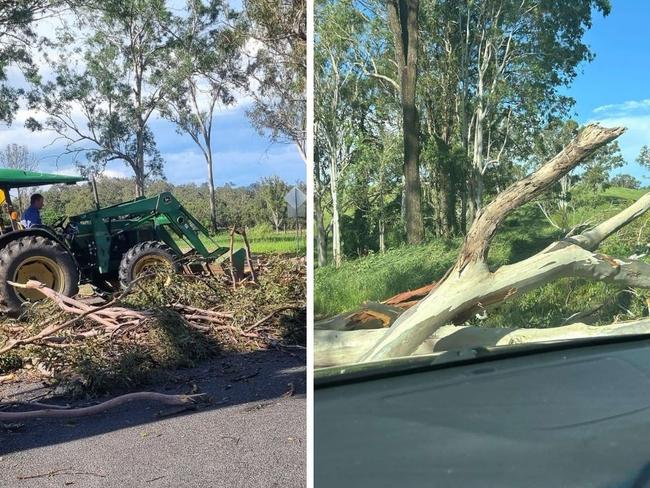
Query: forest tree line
point(259, 204)
point(426, 109)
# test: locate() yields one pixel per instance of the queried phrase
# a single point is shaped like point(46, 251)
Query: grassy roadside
point(379, 276)
point(263, 240)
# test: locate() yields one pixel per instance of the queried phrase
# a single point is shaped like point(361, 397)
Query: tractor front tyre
point(35, 258)
point(146, 257)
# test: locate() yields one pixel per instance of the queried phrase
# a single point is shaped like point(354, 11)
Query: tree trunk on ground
point(470, 287)
point(403, 19)
point(337, 348)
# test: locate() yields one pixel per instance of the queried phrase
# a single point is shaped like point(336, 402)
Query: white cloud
point(624, 108)
point(637, 134)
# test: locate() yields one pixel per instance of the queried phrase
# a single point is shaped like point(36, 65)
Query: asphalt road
point(253, 435)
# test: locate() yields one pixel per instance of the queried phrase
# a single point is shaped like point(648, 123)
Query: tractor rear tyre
point(144, 257)
point(35, 258)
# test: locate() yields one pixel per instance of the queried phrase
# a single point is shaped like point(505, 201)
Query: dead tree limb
point(249, 258)
point(336, 348)
point(469, 286)
point(102, 407)
point(108, 315)
point(50, 330)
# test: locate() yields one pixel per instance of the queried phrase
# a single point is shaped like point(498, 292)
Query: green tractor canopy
point(16, 178)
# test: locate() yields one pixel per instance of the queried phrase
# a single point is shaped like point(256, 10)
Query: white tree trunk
point(337, 348)
point(336, 218)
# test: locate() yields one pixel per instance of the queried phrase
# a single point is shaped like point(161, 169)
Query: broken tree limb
point(336, 348)
point(48, 331)
point(408, 297)
point(477, 241)
point(469, 286)
point(591, 239)
point(370, 315)
point(102, 407)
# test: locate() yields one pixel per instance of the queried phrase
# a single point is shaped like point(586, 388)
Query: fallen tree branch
point(470, 286)
point(102, 407)
point(336, 348)
point(477, 241)
point(293, 306)
point(48, 331)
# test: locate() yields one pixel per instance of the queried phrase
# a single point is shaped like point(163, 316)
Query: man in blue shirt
point(32, 216)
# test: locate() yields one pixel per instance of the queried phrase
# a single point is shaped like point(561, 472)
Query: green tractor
point(103, 247)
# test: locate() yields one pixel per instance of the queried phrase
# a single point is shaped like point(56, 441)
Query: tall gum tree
point(278, 69)
point(205, 73)
point(102, 104)
point(516, 56)
point(404, 25)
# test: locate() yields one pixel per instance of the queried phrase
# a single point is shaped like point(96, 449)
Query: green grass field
point(263, 240)
point(379, 276)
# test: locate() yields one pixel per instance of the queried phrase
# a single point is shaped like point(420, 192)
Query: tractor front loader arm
point(164, 213)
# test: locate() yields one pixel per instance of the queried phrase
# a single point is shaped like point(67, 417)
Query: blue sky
point(241, 155)
point(614, 89)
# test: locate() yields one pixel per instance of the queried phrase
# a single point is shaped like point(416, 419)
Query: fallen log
point(371, 315)
point(56, 412)
point(470, 286)
point(336, 348)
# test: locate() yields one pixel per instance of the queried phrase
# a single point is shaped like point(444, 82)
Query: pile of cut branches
point(161, 321)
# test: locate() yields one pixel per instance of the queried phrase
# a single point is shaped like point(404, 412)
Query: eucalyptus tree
point(320, 193)
point(516, 56)
point(271, 191)
point(385, 42)
point(403, 21)
point(278, 46)
point(597, 169)
point(644, 157)
point(204, 72)
point(18, 38)
point(336, 83)
point(625, 181)
point(107, 86)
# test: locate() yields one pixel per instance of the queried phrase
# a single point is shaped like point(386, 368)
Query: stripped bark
point(336, 348)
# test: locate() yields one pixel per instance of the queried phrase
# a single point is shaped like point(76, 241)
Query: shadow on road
point(249, 381)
